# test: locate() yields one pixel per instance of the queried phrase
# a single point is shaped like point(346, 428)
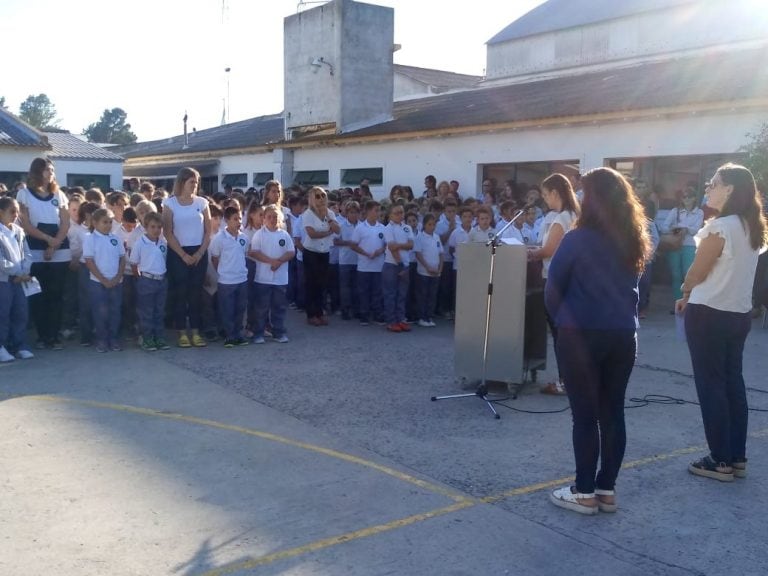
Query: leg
point(301, 288)
point(19, 317)
point(345, 288)
point(100, 310)
point(6, 304)
point(241, 305)
point(86, 314)
point(262, 295)
point(421, 297)
point(115, 312)
point(333, 287)
point(226, 296)
point(158, 312)
point(178, 277)
point(433, 285)
point(403, 278)
point(412, 308)
point(311, 284)
point(277, 309)
point(195, 291)
point(676, 270)
point(145, 306)
point(735, 390)
point(364, 294)
point(377, 298)
point(389, 290)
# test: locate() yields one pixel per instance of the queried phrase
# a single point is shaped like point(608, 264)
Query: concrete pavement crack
point(669, 371)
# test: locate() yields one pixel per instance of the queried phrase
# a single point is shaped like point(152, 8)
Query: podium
point(506, 362)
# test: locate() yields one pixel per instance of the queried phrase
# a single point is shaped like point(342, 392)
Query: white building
point(646, 86)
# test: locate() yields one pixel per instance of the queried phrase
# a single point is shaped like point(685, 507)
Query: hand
point(74, 265)
point(23, 278)
point(680, 305)
point(189, 260)
point(106, 283)
point(48, 254)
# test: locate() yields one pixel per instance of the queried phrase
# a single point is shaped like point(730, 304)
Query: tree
point(756, 157)
point(39, 111)
point(2, 102)
point(111, 128)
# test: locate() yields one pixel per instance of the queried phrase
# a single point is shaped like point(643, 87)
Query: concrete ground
point(325, 456)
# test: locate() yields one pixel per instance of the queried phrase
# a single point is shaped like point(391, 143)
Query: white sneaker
point(5, 356)
point(424, 324)
point(432, 324)
point(281, 339)
point(24, 355)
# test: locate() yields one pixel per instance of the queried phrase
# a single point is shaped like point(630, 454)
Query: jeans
point(83, 304)
point(232, 303)
point(105, 304)
point(679, 262)
point(301, 296)
point(185, 288)
point(348, 289)
point(553, 331)
point(427, 296)
point(150, 306)
point(394, 280)
point(46, 307)
point(271, 304)
point(716, 343)
point(315, 281)
point(251, 307)
point(596, 365)
point(369, 294)
point(14, 315)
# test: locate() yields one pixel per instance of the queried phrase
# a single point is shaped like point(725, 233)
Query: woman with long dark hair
point(591, 295)
point(45, 219)
point(717, 301)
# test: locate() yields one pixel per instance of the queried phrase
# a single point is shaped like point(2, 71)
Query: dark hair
point(85, 209)
point(6, 202)
point(435, 205)
point(508, 205)
point(216, 211)
point(560, 184)
point(114, 197)
point(744, 202)
point(152, 217)
point(230, 211)
point(158, 202)
point(35, 178)
point(427, 219)
point(611, 207)
point(129, 215)
point(464, 209)
point(431, 179)
point(370, 205)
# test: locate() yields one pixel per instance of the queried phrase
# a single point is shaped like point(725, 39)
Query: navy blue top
point(589, 286)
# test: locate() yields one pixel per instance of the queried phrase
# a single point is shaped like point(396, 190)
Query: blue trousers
point(395, 280)
point(83, 305)
point(369, 293)
point(105, 305)
point(427, 296)
point(150, 306)
point(14, 314)
point(716, 342)
point(271, 304)
point(348, 289)
point(185, 288)
point(232, 301)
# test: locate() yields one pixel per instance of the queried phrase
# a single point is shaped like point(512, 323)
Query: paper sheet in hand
point(31, 287)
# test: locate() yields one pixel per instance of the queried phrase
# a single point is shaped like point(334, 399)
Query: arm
point(318, 235)
point(215, 262)
point(29, 229)
point(696, 222)
point(709, 250)
point(206, 236)
point(669, 222)
point(93, 269)
point(559, 276)
point(120, 267)
point(61, 235)
point(556, 234)
point(170, 237)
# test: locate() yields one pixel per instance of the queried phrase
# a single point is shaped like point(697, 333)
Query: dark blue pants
point(14, 316)
point(271, 305)
point(716, 342)
point(315, 282)
point(644, 286)
point(412, 305)
point(185, 289)
point(83, 305)
point(596, 365)
point(334, 295)
point(394, 280)
point(369, 295)
point(105, 306)
point(150, 306)
point(130, 320)
point(348, 289)
point(427, 296)
point(446, 290)
point(232, 302)
point(46, 307)
point(251, 310)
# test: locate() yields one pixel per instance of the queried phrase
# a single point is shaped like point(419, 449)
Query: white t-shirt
point(397, 234)
point(430, 248)
point(272, 245)
point(347, 256)
point(478, 235)
point(44, 215)
point(511, 233)
point(566, 219)
point(681, 218)
point(311, 220)
point(188, 221)
point(105, 250)
point(231, 251)
point(442, 228)
point(458, 236)
point(728, 287)
point(369, 239)
point(77, 234)
point(149, 256)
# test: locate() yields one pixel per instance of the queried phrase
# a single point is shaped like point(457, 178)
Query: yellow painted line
point(337, 540)
point(402, 476)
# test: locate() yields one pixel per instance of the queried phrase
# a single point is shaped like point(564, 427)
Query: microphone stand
point(482, 389)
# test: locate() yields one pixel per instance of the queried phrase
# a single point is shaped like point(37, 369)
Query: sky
point(157, 59)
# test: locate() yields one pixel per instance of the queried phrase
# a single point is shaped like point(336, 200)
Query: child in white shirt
point(429, 255)
point(483, 231)
point(368, 242)
point(395, 277)
point(348, 261)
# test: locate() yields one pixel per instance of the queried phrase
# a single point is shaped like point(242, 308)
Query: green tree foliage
point(756, 157)
point(111, 128)
point(39, 111)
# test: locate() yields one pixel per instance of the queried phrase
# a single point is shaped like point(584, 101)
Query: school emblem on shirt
point(113, 241)
point(406, 229)
point(381, 235)
point(162, 249)
point(438, 243)
point(242, 242)
point(490, 234)
point(282, 242)
point(55, 202)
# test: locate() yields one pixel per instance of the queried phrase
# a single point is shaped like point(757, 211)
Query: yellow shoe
point(184, 341)
point(198, 341)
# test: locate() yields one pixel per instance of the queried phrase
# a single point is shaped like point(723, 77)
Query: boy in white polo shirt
point(429, 255)
point(228, 250)
point(395, 274)
point(104, 255)
point(272, 248)
point(147, 258)
point(368, 241)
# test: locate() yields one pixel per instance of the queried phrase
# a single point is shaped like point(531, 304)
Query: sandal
point(554, 389)
point(568, 498)
point(709, 468)
point(198, 342)
point(602, 496)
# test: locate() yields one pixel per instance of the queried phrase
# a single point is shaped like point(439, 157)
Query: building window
point(311, 178)
point(353, 176)
point(235, 180)
point(261, 178)
point(89, 181)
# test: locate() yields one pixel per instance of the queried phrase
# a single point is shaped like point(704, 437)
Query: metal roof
point(15, 132)
point(439, 79)
point(556, 15)
point(66, 146)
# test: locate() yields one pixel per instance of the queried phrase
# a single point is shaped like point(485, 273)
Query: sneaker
point(258, 340)
point(229, 343)
point(739, 467)
point(102, 348)
point(40, 345)
point(394, 328)
point(115, 347)
point(381, 322)
point(67, 333)
point(404, 327)
point(240, 341)
point(148, 345)
point(569, 499)
point(5, 356)
point(364, 323)
point(554, 389)
point(57, 345)
point(432, 324)
point(24, 355)
point(708, 468)
point(161, 344)
point(86, 343)
point(198, 341)
point(184, 341)
point(281, 339)
point(424, 324)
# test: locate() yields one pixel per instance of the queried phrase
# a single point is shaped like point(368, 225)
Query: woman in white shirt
point(686, 219)
point(319, 225)
point(557, 192)
point(45, 219)
point(717, 302)
point(187, 229)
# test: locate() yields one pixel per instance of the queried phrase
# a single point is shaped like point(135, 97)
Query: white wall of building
point(247, 164)
point(112, 169)
point(17, 160)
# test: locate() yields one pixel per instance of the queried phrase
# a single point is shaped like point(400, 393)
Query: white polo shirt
point(312, 220)
point(478, 235)
point(298, 232)
point(105, 250)
point(441, 228)
point(430, 248)
point(513, 232)
point(44, 215)
point(398, 234)
point(458, 236)
point(369, 239)
point(231, 251)
point(149, 255)
point(272, 245)
point(188, 221)
point(347, 256)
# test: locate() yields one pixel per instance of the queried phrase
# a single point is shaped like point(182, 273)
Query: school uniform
point(394, 276)
point(369, 238)
point(511, 233)
point(446, 292)
point(530, 232)
point(151, 285)
point(348, 272)
point(271, 286)
point(232, 294)
point(15, 260)
point(105, 250)
point(334, 295)
point(431, 249)
point(316, 256)
point(77, 239)
point(479, 235)
point(296, 267)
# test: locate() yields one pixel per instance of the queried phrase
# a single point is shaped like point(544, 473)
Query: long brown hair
point(611, 207)
point(182, 177)
point(560, 184)
point(35, 178)
point(744, 202)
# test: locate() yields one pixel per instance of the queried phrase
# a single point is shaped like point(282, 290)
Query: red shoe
point(322, 321)
point(313, 321)
point(404, 327)
point(395, 328)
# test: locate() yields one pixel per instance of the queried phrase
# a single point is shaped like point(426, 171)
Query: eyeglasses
point(320, 196)
point(712, 184)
